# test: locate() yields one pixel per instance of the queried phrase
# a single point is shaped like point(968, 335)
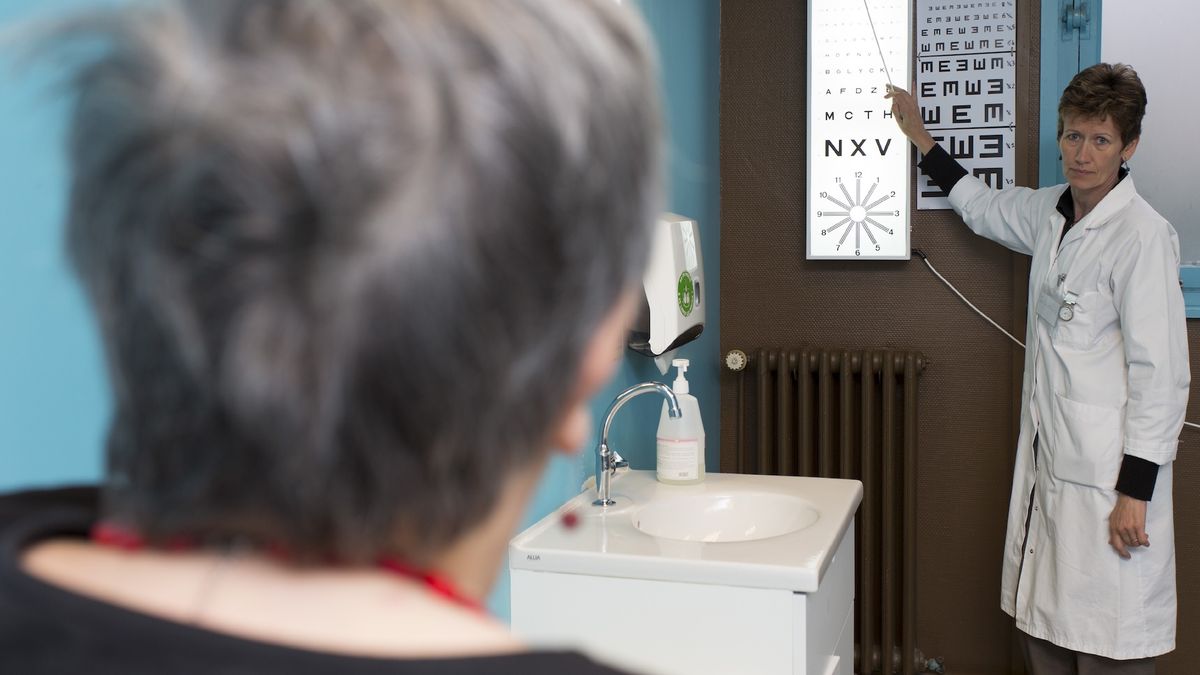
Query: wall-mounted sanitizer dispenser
point(672, 311)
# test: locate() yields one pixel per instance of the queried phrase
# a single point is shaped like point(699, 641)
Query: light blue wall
point(1064, 53)
point(687, 33)
point(53, 401)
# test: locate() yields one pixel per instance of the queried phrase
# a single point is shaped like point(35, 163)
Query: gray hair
point(346, 256)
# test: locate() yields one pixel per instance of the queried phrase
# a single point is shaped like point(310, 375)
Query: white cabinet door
point(675, 628)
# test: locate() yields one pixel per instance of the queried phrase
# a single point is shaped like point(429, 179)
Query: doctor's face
point(1092, 153)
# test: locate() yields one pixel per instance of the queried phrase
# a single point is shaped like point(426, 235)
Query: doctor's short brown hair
point(1106, 90)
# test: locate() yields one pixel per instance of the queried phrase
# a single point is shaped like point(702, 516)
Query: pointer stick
point(880, 49)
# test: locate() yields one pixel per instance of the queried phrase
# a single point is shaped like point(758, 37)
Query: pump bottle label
point(678, 459)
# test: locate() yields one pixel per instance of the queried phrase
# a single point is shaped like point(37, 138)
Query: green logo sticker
point(687, 294)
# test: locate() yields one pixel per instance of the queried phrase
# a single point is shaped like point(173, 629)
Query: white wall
point(1159, 40)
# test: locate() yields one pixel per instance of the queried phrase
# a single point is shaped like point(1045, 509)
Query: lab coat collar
point(1112, 204)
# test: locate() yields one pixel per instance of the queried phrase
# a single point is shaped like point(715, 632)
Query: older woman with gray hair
point(358, 267)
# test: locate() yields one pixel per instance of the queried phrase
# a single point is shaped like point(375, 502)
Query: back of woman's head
point(346, 255)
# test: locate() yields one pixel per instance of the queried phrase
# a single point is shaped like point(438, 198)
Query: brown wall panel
point(772, 297)
point(1186, 657)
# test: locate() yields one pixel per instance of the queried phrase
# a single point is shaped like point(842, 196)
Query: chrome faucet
point(607, 459)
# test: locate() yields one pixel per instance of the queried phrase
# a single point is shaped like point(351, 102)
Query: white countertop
point(605, 542)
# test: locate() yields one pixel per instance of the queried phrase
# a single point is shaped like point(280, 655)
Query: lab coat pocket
point(1088, 442)
point(1091, 314)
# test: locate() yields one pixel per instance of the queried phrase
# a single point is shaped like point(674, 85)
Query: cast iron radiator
point(847, 414)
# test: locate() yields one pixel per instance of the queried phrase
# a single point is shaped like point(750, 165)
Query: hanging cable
point(949, 285)
point(924, 258)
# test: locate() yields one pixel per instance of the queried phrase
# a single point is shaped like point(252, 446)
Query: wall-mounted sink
point(725, 517)
point(756, 531)
point(738, 574)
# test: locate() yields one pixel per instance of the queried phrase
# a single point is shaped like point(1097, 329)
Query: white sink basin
point(777, 532)
point(729, 517)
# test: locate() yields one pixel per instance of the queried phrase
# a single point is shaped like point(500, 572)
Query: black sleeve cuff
point(1137, 478)
point(942, 168)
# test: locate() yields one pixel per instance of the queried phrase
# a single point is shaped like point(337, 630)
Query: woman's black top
point(47, 629)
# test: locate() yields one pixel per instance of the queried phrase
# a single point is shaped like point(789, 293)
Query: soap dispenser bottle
point(681, 439)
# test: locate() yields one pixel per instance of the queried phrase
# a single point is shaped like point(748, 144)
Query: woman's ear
point(600, 360)
point(1127, 152)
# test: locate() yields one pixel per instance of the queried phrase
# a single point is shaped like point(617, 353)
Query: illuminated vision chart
point(859, 164)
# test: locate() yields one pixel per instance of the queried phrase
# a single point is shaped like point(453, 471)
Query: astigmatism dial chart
point(858, 215)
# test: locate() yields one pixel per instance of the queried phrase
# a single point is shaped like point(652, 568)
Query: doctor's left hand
point(1127, 525)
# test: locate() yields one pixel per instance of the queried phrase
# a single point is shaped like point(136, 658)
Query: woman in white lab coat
point(1105, 386)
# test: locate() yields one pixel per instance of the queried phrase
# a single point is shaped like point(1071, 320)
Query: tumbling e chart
point(966, 82)
point(859, 163)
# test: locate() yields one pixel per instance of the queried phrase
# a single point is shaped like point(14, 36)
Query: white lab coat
point(1113, 380)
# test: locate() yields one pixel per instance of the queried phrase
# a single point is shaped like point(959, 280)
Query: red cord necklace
point(114, 536)
point(436, 583)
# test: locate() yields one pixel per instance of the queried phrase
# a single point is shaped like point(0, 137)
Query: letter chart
point(859, 163)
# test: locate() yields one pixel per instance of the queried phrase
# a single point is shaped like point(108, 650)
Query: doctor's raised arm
point(1006, 217)
point(1105, 384)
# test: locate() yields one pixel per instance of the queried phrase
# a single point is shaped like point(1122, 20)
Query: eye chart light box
point(859, 163)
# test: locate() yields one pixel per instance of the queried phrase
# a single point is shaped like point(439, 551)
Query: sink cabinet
point(777, 606)
point(678, 628)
